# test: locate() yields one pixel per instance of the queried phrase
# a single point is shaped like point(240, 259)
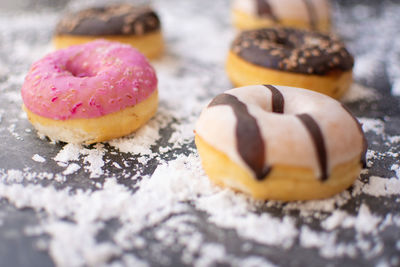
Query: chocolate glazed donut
point(291, 57)
point(253, 133)
point(293, 50)
point(138, 26)
point(110, 20)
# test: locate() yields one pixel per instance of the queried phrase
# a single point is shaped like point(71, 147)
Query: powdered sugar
point(359, 92)
point(70, 152)
point(144, 138)
point(72, 168)
point(377, 50)
point(92, 157)
point(38, 158)
point(379, 186)
point(372, 125)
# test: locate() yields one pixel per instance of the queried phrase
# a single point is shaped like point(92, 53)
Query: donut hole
point(79, 69)
point(284, 42)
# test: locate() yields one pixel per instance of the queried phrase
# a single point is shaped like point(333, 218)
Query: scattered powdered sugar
point(396, 169)
point(316, 207)
point(13, 132)
point(116, 165)
point(38, 158)
point(144, 138)
point(394, 139)
point(173, 214)
point(364, 224)
point(396, 86)
point(378, 186)
point(92, 157)
point(359, 92)
point(393, 67)
point(183, 134)
point(372, 125)
point(180, 186)
point(237, 215)
point(253, 261)
point(13, 176)
point(334, 220)
point(378, 50)
point(72, 168)
point(69, 152)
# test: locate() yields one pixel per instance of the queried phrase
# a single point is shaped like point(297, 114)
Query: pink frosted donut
point(96, 80)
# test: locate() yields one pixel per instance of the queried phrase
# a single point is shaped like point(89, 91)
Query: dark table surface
point(72, 205)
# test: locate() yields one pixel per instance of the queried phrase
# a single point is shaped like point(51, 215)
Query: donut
point(280, 143)
point(305, 14)
point(90, 93)
point(290, 57)
point(138, 26)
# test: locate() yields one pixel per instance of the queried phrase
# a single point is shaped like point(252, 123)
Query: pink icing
point(88, 81)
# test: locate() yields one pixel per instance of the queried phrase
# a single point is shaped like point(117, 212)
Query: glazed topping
point(123, 19)
point(278, 102)
point(293, 50)
point(250, 144)
point(312, 14)
point(318, 139)
point(365, 143)
point(88, 81)
point(260, 127)
point(264, 9)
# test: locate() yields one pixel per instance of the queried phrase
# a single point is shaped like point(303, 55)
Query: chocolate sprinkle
point(318, 140)
point(365, 142)
point(278, 101)
point(264, 9)
point(293, 50)
point(123, 19)
point(250, 143)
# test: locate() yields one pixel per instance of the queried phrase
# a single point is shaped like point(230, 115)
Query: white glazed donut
point(309, 14)
point(277, 142)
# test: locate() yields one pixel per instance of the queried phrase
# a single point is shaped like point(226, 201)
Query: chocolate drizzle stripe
point(365, 143)
point(318, 140)
point(265, 9)
point(312, 14)
point(278, 101)
point(250, 143)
